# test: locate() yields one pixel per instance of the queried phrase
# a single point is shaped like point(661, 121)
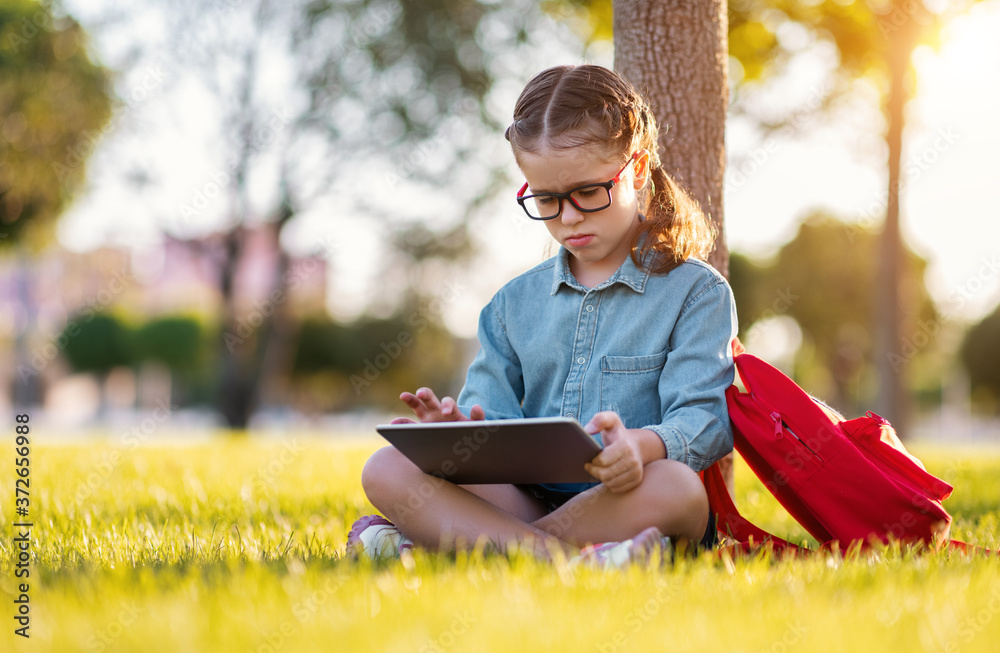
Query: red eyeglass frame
point(607, 185)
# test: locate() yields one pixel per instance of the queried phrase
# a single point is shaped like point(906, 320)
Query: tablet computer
point(525, 450)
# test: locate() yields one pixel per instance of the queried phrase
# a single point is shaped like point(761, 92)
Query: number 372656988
point(23, 450)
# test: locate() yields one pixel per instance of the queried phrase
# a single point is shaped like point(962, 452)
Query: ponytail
point(675, 229)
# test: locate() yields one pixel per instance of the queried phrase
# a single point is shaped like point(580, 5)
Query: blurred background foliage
point(981, 356)
point(822, 279)
point(335, 367)
point(53, 103)
point(412, 68)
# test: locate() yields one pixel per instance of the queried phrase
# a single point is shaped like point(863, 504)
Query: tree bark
point(676, 53)
point(892, 305)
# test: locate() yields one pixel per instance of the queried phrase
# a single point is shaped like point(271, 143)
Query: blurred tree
point(97, 344)
point(365, 363)
point(305, 91)
point(822, 278)
point(749, 280)
point(54, 102)
point(184, 346)
point(980, 354)
point(177, 342)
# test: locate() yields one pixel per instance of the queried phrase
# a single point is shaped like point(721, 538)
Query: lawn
point(235, 544)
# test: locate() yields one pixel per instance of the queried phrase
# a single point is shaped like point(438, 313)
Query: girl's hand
point(619, 465)
point(427, 408)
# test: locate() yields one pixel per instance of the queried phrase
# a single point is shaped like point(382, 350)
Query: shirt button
point(581, 360)
point(570, 415)
point(590, 308)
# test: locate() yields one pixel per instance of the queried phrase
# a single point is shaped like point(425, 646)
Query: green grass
point(235, 545)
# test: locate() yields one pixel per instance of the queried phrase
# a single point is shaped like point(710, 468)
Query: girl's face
point(598, 242)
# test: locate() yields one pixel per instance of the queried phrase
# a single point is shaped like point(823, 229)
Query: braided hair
point(590, 106)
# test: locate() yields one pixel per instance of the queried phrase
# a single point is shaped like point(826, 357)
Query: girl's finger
point(621, 483)
point(601, 473)
point(602, 421)
point(608, 457)
point(449, 407)
point(412, 402)
point(402, 420)
point(429, 399)
point(612, 483)
point(477, 413)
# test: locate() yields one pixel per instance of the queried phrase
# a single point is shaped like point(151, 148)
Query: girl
point(626, 329)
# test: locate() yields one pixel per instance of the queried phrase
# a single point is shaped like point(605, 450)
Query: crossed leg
point(437, 514)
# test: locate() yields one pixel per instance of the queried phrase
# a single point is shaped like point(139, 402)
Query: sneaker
point(621, 554)
point(376, 538)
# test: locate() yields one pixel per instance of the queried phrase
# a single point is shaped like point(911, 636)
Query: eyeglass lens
point(588, 198)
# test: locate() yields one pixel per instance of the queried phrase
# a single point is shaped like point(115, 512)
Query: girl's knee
point(684, 496)
point(383, 468)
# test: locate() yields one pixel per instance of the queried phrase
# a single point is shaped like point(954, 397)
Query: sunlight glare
point(951, 145)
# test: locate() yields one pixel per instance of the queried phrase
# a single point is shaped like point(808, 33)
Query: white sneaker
point(620, 554)
point(376, 538)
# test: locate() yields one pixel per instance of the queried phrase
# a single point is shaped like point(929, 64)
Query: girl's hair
point(572, 106)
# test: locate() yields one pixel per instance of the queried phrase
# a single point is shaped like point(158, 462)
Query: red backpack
point(845, 481)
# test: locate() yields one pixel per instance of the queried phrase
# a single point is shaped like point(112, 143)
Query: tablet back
point(528, 450)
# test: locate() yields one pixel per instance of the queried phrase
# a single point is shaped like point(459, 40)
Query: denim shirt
point(653, 348)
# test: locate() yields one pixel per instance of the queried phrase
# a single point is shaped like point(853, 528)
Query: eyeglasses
point(588, 198)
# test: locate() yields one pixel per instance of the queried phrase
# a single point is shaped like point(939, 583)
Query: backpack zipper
point(802, 442)
point(780, 425)
point(776, 418)
point(878, 418)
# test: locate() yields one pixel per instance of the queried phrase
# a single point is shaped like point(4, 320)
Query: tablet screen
point(526, 450)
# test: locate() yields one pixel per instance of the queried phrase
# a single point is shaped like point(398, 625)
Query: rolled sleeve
point(695, 428)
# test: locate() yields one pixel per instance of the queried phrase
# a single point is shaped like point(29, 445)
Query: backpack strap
point(749, 537)
point(965, 547)
point(731, 523)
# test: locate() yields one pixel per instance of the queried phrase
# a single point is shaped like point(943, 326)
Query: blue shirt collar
point(627, 274)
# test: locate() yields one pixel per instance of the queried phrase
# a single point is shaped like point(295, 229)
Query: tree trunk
point(256, 347)
point(891, 308)
point(275, 348)
point(676, 53)
point(235, 395)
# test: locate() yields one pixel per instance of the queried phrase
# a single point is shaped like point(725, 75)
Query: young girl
point(626, 329)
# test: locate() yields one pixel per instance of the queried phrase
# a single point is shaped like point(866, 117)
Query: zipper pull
point(875, 416)
point(776, 418)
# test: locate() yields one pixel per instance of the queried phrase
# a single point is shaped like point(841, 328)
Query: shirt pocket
point(630, 387)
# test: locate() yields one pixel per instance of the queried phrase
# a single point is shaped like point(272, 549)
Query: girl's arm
point(494, 380)
point(695, 428)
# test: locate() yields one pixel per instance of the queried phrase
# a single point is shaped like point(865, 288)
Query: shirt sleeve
point(494, 380)
point(695, 428)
